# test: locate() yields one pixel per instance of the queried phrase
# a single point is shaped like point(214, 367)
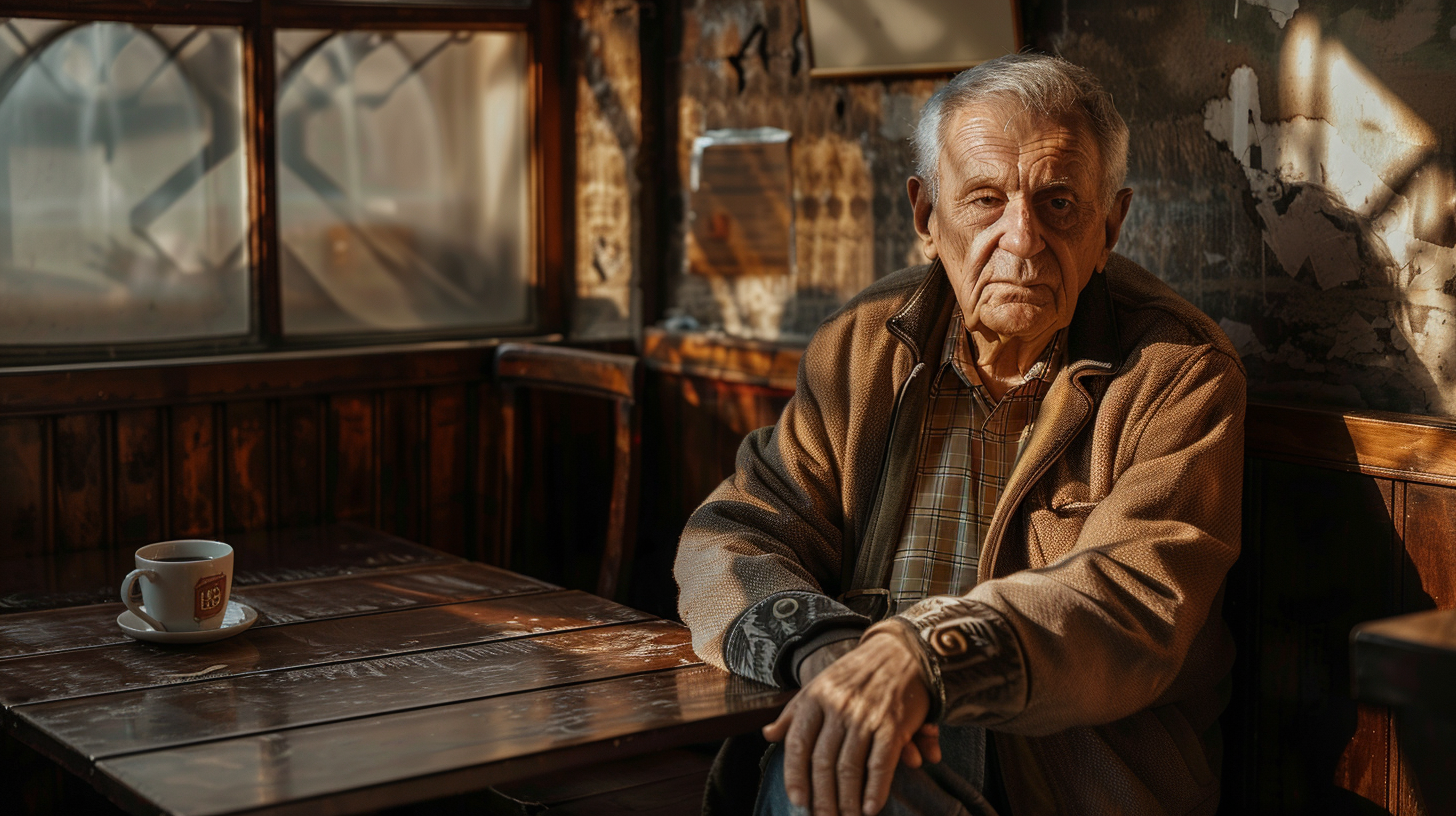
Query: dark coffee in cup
point(185, 585)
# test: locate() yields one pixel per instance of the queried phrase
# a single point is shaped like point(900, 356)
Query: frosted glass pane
point(403, 181)
point(123, 198)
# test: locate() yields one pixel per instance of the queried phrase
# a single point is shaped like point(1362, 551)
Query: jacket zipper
point(992, 549)
point(850, 569)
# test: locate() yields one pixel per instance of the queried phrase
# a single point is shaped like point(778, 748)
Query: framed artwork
point(853, 38)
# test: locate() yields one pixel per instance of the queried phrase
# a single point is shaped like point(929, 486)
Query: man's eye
point(988, 201)
point(1060, 203)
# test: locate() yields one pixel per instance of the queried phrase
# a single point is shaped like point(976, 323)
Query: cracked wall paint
point(1294, 181)
point(1279, 10)
point(1324, 181)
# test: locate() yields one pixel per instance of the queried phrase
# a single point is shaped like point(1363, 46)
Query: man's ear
point(1115, 216)
point(923, 205)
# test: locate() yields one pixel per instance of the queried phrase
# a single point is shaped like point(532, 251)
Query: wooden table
point(1409, 663)
point(400, 677)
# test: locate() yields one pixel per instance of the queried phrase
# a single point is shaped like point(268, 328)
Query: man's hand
point(845, 731)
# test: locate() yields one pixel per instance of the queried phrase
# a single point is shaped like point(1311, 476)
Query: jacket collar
point(1092, 341)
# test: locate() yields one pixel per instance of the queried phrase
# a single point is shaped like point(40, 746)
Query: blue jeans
point(923, 791)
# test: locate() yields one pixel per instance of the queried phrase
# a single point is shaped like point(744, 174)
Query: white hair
point(1049, 87)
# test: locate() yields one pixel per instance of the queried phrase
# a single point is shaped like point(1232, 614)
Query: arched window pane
point(403, 181)
point(123, 199)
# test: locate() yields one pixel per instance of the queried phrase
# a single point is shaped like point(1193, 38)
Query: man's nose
point(1022, 237)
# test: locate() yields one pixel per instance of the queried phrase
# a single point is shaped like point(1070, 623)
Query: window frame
point(550, 114)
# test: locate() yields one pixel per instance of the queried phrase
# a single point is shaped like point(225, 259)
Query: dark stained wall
point(1293, 173)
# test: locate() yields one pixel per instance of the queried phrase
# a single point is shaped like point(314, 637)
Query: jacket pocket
point(1053, 531)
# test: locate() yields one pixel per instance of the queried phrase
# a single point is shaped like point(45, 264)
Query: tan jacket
point(1093, 645)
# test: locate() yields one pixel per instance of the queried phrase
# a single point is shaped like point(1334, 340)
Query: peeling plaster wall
point(745, 65)
point(1293, 167)
point(608, 138)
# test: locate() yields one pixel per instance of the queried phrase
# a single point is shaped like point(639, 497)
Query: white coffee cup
point(186, 586)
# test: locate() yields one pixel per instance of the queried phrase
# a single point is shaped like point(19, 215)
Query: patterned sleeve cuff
point(760, 644)
point(970, 658)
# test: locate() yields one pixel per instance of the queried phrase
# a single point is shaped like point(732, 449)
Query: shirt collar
point(960, 357)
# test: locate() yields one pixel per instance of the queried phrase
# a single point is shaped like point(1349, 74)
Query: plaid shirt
point(967, 449)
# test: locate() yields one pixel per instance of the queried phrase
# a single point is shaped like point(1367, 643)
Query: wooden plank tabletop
point(83, 672)
point(68, 579)
point(80, 627)
point(104, 726)
point(393, 677)
point(442, 750)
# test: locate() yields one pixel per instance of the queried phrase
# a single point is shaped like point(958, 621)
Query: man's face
point(1021, 220)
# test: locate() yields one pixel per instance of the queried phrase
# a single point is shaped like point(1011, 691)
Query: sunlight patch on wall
point(1348, 187)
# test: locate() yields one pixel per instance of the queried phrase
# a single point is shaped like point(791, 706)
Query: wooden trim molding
point(1377, 443)
point(66, 389)
point(719, 357)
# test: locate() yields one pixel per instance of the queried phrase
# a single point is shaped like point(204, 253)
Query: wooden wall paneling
point(195, 464)
point(1430, 546)
point(1326, 560)
point(1365, 766)
point(141, 506)
point(247, 469)
point(24, 487)
point(652, 588)
point(1428, 582)
point(82, 495)
point(350, 458)
point(299, 454)
point(448, 486)
point(485, 508)
point(401, 455)
point(508, 469)
point(698, 470)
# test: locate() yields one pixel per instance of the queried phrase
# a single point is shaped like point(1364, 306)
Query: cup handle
point(136, 608)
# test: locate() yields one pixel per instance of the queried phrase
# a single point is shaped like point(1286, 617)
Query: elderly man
point(988, 535)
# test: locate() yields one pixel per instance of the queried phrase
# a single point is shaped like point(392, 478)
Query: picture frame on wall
point(861, 38)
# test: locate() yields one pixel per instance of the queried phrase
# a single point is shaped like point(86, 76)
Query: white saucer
point(235, 619)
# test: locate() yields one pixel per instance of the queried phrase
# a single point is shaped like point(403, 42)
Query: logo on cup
point(209, 596)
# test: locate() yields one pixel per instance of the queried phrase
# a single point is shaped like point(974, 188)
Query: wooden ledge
point(720, 357)
point(1376, 443)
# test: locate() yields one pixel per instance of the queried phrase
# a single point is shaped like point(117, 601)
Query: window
point(234, 175)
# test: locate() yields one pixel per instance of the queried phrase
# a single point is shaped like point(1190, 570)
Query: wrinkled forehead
point(1003, 130)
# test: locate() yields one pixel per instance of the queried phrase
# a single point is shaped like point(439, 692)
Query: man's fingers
point(910, 756)
point(927, 740)
point(798, 745)
point(852, 771)
point(825, 799)
point(775, 731)
point(880, 770)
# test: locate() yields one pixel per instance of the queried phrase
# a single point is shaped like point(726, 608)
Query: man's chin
point(1021, 320)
